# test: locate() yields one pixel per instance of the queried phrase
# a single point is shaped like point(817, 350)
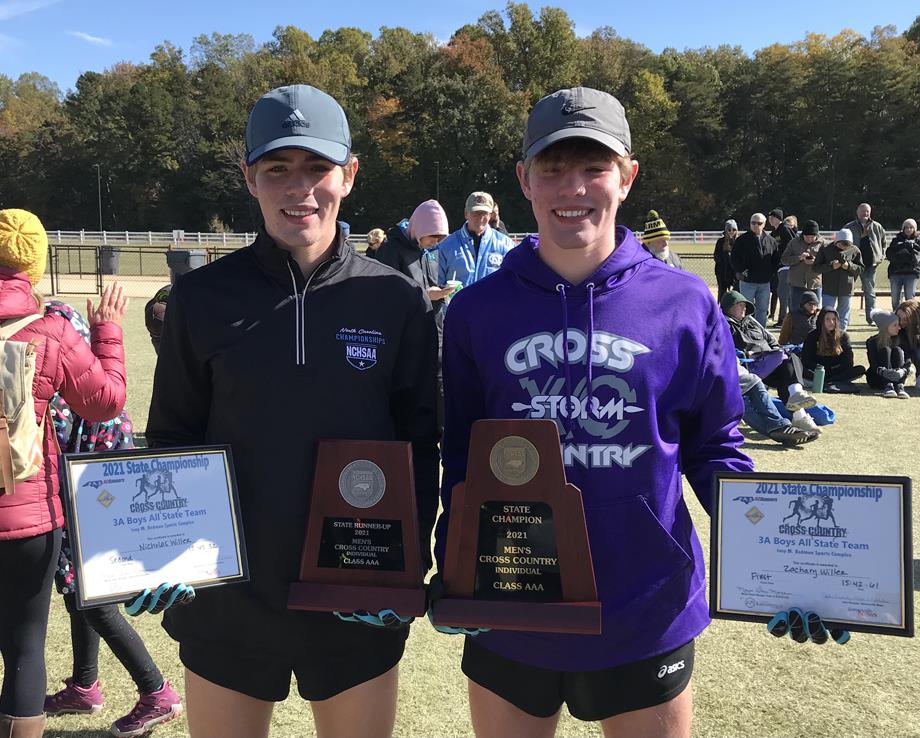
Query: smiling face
point(575, 193)
point(299, 194)
point(477, 220)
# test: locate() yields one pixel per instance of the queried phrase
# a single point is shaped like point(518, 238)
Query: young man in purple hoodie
point(644, 389)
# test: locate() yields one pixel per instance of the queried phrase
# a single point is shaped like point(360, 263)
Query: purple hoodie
point(664, 399)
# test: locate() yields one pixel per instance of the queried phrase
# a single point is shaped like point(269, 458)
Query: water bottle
point(817, 384)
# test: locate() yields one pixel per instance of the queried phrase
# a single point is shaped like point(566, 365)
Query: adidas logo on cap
point(295, 120)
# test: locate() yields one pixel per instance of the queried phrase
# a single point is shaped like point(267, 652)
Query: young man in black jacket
point(293, 339)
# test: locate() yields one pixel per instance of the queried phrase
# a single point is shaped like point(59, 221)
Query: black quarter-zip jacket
point(258, 357)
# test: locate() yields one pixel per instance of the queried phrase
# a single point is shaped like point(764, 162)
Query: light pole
point(99, 193)
point(437, 181)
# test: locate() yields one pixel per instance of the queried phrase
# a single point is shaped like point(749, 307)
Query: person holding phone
point(800, 256)
point(840, 264)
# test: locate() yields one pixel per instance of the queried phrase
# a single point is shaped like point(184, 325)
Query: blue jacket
point(457, 259)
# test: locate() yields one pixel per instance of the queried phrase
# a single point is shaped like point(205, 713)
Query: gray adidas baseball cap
point(298, 117)
point(578, 112)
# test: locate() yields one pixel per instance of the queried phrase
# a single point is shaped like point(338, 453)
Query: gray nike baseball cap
point(298, 117)
point(578, 112)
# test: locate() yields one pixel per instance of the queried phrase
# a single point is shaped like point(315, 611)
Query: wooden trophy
point(362, 549)
point(517, 553)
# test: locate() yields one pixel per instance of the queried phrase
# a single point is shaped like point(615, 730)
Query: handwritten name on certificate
point(140, 518)
point(837, 545)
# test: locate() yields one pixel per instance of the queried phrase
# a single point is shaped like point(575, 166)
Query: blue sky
point(62, 38)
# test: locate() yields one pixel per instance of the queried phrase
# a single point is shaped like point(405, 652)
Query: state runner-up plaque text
point(517, 553)
point(362, 549)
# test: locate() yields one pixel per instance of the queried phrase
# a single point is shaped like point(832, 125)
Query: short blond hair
point(578, 150)
point(375, 236)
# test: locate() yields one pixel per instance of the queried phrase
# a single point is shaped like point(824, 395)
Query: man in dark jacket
point(869, 236)
point(755, 259)
point(293, 339)
point(767, 358)
point(782, 233)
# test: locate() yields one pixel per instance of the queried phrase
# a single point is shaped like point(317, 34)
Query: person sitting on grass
point(889, 362)
point(828, 345)
point(801, 321)
point(762, 416)
point(769, 362)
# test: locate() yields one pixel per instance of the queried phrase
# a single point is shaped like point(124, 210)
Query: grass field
point(746, 683)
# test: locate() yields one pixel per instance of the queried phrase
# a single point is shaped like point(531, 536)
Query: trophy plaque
point(517, 555)
point(362, 549)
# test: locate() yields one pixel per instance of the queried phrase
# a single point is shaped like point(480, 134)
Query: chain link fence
point(79, 269)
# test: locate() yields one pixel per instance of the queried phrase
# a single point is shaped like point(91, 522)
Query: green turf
point(746, 683)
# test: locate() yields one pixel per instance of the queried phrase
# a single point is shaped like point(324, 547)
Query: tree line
point(814, 127)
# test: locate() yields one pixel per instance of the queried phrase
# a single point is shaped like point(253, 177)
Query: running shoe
point(801, 400)
point(806, 423)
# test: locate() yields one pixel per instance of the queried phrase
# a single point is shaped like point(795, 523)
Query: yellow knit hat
point(23, 243)
point(654, 227)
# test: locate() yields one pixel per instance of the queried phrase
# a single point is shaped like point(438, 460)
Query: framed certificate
point(139, 518)
point(838, 545)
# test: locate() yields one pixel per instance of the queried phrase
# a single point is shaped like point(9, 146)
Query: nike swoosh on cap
point(568, 109)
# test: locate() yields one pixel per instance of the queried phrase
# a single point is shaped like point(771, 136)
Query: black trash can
point(181, 261)
point(108, 259)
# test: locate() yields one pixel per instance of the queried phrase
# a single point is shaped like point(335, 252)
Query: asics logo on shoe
point(670, 668)
point(570, 109)
point(295, 120)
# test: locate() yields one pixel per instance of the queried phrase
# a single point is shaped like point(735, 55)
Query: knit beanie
point(428, 219)
point(883, 319)
point(808, 298)
point(844, 234)
point(810, 228)
point(777, 213)
point(732, 298)
point(730, 225)
point(23, 243)
point(654, 227)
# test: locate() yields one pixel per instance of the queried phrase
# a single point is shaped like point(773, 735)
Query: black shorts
point(589, 695)
point(328, 658)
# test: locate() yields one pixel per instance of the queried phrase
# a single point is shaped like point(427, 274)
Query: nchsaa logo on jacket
point(361, 346)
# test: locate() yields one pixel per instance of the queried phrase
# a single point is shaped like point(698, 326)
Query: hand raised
point(112, 306)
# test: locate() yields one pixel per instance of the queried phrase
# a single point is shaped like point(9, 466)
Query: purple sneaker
point(75, 700)
point(151, 710)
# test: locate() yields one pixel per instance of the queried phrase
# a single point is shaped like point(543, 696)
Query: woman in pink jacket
point(91, 378)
